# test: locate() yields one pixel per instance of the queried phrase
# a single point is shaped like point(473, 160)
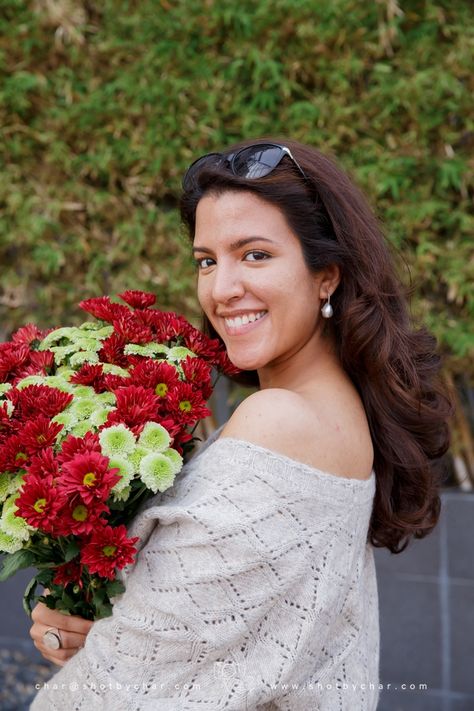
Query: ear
point(330, 278)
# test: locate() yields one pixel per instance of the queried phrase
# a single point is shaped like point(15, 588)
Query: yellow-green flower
point(156, 472)
point(154, 437)
point(117, 440)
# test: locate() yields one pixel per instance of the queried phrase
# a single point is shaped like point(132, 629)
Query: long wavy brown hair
point(394, 366)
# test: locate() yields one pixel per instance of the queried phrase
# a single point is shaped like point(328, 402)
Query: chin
point(245, 362)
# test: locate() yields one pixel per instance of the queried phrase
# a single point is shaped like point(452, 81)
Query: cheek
point(204, 297)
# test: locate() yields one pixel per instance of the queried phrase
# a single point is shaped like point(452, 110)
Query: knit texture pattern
point(254, 588)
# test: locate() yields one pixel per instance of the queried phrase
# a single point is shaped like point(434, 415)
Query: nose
point(227, 284)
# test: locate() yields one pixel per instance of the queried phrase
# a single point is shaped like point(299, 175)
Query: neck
point(297, 371)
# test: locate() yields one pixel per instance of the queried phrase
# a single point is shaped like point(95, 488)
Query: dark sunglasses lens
point(208, 161)
point(257, 161)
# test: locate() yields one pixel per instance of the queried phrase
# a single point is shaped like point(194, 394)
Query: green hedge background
point(104, 103)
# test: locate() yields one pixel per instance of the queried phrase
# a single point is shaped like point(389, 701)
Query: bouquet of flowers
point(94, 420)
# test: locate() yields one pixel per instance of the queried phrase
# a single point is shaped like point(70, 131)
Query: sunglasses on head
point(252, 162)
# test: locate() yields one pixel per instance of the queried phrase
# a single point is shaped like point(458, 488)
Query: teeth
point(239, 321)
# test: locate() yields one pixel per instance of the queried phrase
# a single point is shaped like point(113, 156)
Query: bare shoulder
point(327, 433)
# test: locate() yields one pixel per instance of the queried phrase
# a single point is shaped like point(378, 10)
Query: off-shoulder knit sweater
point(254, 588)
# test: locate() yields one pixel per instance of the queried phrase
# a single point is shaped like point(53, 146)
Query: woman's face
point(253, 283)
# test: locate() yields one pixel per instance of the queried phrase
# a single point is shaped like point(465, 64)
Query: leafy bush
point(104, 104)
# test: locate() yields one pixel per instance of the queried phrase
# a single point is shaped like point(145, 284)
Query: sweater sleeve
point(235, 596)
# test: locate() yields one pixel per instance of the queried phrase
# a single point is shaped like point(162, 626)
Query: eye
point(257, 256)
point(201, 263)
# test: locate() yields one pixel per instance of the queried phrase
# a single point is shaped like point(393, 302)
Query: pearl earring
point(327, 311)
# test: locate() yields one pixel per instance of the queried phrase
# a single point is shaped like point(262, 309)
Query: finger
point(53, 618)
point(69, 640)
point(60, 656)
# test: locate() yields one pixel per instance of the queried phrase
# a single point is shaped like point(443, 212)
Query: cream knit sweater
point(254, 588)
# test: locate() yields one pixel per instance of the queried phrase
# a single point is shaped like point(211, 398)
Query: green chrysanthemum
point(115, 370)
point(117, 440)
point(154, 437)
point(89, 326)
point(126, 472)
point(149, 349)
point(121, 495)
point(99, 417)
point(4, 388)
point(87, 344)
point(9, 484)
point(84, 357)
point(82, 428)
point(10, 407)
point(61, 353)
point(83, 407)
point(67, 419)
point(107, 398)
point(136, 457)
point(175, 458)
point(65, 372)
point(103, 332)
point(156, 472)
point(84, 391)
point(55, 336)
point(9, 544)
point(11, 524)
point(58, 382)
point(30, 380)
point(180, 353)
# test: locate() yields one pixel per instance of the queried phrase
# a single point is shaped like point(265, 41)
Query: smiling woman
point(255, 585)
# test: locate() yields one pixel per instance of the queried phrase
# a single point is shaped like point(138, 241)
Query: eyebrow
point(236, 245)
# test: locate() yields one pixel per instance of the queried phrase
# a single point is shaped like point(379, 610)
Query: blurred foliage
point(104, 104)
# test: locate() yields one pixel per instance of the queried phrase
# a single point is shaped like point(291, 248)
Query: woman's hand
point(72, 629)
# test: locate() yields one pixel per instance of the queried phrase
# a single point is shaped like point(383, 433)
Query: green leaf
point(115, 588)
point(29, 595)
point(16, 561)
point(72, 549)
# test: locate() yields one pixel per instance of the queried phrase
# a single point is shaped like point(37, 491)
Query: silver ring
point(52, 638)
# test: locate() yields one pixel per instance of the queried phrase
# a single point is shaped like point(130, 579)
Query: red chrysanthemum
point(13, 359)
point(39, 433)
point(27, 334)
point(138, 299)
point(102, 308)
point(112, 350)
point(186, 405)
point(44, 464)
point(223, 363)
point(7, 426)
point(43, 360)
point(113, 382)
point(157, 375)
point(39, 502)
point(78, 445)
point(108, 549)
point(134, 407)
point(89, 475)
point(131, 330)
point(37, 400)
point(198, 373)
point(166, 325)
point(76, 517)
point(90, 374)
point(200, 344)
point(69, 573)
point(13, 454)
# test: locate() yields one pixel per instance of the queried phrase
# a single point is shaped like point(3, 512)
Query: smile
point(244, 323)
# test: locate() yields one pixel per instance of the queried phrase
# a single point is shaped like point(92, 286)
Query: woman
point(255, 584)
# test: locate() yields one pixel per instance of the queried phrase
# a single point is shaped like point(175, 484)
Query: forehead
point(237, 214)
